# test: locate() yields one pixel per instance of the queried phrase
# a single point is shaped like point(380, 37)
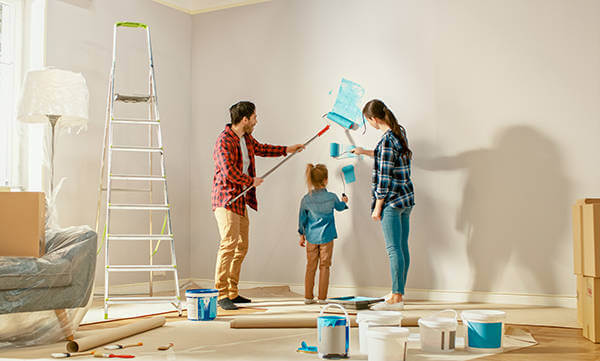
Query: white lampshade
point(54, 92)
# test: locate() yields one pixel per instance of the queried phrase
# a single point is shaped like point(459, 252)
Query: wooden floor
point(554, 343)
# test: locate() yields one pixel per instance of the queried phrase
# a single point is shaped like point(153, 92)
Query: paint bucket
point(372, 319)
point(438, 334)
point(202, 304)
point(485, 330)
point(334, 150)
point(334, 334)
point(388, 343)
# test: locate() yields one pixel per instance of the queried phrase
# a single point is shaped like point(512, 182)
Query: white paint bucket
point(438, 333)
point(201, 304)
point(388, 343)
point(334, 334)
point(372, 319)
point(485, 330)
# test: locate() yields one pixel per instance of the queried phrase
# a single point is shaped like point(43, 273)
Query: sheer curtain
point(22, 48)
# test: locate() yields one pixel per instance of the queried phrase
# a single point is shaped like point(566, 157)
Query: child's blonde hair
point(316, 175)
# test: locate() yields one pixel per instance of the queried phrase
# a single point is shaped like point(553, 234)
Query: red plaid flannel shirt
point(229, 180)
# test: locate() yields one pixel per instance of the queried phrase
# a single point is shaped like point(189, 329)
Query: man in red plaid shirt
point(235, 171)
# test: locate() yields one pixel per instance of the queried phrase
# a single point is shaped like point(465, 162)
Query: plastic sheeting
point(43, 300)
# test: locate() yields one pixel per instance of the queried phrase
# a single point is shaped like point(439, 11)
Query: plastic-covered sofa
point(43, 300)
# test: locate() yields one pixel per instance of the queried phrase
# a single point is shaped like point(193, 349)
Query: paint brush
point(166, 347)
point(118, 347)
point(68, 354)
point(111, 355)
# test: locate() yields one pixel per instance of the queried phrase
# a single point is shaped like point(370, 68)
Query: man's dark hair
point(240, 110)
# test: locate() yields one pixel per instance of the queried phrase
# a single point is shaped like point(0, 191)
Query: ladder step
point(151, 207)
point(104, 189)
point(116, 300)
point(132, 98)
point(135, 121)
point(137, 268)
point(138, 177)
point(136, 149)
point(140, 237)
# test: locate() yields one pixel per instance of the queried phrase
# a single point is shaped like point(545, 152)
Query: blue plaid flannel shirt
point(391, 174)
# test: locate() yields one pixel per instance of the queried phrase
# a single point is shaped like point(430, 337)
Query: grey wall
point(500, 101)
point(79, 38)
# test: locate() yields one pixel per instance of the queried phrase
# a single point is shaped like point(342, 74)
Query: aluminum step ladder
point(154, 146)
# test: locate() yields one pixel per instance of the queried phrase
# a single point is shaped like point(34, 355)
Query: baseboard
point(567, 301)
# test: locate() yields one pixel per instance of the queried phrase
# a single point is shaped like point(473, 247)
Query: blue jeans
point(395, 224)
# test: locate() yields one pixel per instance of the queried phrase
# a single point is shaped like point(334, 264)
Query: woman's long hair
point(376, 109)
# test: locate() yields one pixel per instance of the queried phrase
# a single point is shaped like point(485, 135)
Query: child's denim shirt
point(316, 220)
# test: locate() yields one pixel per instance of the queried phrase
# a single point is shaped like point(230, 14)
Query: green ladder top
point(132, 24)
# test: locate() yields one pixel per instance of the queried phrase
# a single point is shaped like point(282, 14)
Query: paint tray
point(355, 302)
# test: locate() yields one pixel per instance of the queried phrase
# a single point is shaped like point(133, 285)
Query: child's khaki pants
point(317, 254)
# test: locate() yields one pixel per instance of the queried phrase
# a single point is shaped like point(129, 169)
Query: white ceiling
point(203, 6)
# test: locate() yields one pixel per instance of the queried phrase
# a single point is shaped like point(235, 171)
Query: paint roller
point(279, 164)
point(335, 148)
point(348, 176)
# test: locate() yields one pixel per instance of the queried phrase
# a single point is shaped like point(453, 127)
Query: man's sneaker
point(309, 301)
point(227, 304)
point(322, 302)
point(240, 299)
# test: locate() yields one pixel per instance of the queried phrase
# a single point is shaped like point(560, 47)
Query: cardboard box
point(580, 291)
point(22, 224)
point(590, 247)
point(591, 309)
point(577, 211)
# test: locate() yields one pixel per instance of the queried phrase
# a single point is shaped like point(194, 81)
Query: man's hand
point(294, 148)
point(302, 241)
point(257, 181)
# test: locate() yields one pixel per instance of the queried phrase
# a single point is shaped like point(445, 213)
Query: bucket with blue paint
point(334, 334)
point(485, 330)
point(202, 304)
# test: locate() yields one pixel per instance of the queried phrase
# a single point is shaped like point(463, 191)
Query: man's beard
point(248, 129)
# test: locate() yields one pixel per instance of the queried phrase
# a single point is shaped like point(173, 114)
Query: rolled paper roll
point(334, 149)
point(103, 337)
point(348, 172)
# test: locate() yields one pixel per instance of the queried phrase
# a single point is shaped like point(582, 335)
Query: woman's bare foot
point(396, 298)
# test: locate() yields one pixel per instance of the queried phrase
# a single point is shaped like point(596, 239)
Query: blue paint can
point(202, 304)
point(334, 334)
point(485, 330)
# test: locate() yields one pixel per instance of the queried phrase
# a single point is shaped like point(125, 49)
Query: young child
point(316, 226)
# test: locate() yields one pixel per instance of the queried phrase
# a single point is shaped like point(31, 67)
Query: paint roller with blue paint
point(346, 110)
point(341, 151)
point(348, 176)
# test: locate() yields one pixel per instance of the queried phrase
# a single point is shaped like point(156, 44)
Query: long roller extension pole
point(279, 164)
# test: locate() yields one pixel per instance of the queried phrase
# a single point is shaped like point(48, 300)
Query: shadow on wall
point(514, 208)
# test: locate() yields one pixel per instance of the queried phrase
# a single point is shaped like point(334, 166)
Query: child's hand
point(345, 198)
point(302, 241)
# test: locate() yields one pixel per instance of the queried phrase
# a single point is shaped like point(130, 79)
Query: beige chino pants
point(233, 229)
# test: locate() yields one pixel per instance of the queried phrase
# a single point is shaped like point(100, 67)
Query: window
point(22, 27)
point(10, 60)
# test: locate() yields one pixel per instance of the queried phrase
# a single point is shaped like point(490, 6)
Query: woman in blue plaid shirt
point(393, 194)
